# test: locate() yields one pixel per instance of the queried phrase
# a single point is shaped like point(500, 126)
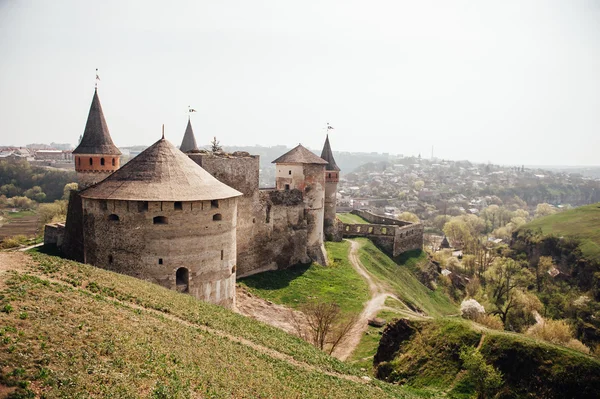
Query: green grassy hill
point(398, 274)
point(425, 353)
point(582, 223)
point(72, 330)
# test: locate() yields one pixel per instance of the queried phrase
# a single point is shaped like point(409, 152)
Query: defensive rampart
point(391, 235)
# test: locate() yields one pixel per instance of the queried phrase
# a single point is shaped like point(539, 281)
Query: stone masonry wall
point(376, 219)
point(271, 224)
point(393, 239)
point(123, 236)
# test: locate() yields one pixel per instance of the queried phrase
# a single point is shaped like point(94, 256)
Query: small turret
point(302, 170)
point(188, 144)
point(96, 156)
point(332, 177)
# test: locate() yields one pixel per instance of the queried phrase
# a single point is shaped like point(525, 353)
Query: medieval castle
point(194, 220)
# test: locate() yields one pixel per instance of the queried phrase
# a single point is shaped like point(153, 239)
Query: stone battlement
point(392, 235)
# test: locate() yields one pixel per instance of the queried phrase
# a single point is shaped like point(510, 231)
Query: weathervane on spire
point(97, 79)
point(190, 110)
point(329, 127)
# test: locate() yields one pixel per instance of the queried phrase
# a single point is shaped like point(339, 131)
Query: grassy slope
point(74, 339)
point(402, 281)
point(337, 282)
point(351, 218)
point(530, 367)
point(582, 223)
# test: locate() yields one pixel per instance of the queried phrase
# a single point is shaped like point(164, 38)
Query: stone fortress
point(194, 220)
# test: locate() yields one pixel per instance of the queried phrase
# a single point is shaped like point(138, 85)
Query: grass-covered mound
point(427, 353)
point(581, 224)
point(399, 276)
point(72, 330)
point(338, 282)
point(351, 218)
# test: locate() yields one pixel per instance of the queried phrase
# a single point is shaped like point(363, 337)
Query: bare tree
point(326, 326)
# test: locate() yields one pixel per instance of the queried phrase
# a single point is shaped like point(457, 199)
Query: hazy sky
point(511, 81)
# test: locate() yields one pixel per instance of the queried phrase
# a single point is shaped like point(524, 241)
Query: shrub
point(490, 321)
point(21, 202)
point(486, 378)
point(558, 332)
point(13, 242)
point(471, 309)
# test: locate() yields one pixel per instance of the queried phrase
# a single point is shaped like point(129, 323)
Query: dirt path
point(21, 262)
point(267, 312)
point(379, 293)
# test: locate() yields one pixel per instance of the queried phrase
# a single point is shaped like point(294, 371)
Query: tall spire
point(327, 155)
point(188, 144)
point(96, 137)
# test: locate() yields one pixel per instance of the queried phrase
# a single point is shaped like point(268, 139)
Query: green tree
point(505, 280)
point(214, 145)
point(67, 190)
point(418, 185)
point(10, 190)
point(35, 193)
point(544, 209)
point(408, 217)
point(541, 271)
point(486, 378)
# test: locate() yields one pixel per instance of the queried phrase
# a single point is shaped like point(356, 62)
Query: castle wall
point(372, 218)
point(72, 245)
point(191, 239)
point(290, 176)
point(393, 239)
point(330, 206)
point(314, 202)
point(271, 224)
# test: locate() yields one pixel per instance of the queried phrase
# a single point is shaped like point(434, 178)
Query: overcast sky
point(511, 81)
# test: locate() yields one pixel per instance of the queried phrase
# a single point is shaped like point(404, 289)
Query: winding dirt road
point(379, 293)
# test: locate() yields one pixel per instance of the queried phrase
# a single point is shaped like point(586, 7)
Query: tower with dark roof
point(332, 177)
point(188, 144)
point(96, 156)
point(302, 170)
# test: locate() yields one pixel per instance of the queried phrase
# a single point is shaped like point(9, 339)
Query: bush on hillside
point(21, 202)
point(54, 212)
point(13, 242)
point(485, 377)
point(558, 332)
point(491, 321)
point(471, 309)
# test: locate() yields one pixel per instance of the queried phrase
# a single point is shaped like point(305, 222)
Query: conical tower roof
point(188, 144)
point(300, 154)
point(96, 137)
point(160, 173)
point(445, 243)
point(327, 155)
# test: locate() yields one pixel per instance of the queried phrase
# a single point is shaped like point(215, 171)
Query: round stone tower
point(332, 177)
point(96, 156)
point(164, 219)
point(302, 170)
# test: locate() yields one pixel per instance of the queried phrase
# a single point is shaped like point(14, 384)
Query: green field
point(338, 282)
point(72, 330)
point(582, 223)
point(401, 280)
point(351, 218)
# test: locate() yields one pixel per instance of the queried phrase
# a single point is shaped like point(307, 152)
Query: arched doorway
point(182, 280)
